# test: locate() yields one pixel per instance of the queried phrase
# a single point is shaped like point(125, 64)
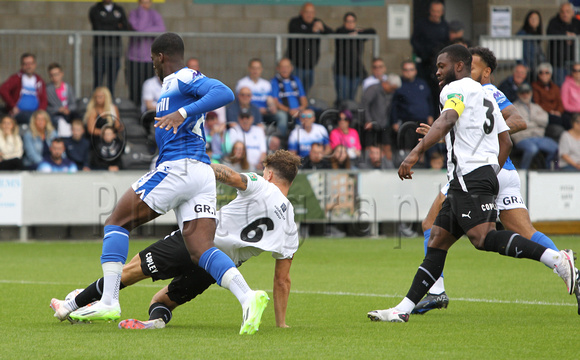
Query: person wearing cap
point(243, 103)
point(251, 135)
point(532, 140)
point(547, 93)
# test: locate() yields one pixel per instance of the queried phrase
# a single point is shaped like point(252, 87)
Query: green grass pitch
point(501, 308)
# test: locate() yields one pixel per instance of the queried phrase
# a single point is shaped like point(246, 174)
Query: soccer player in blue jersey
point(513, 213)
point(182, 181)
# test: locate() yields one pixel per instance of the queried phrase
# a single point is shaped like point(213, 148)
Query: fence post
point(278, 48)
point(77, 64)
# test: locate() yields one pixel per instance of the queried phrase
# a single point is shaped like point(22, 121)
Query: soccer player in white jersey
point(259, 219)
point(513, 213)
point(183, 181)
point(478, 144)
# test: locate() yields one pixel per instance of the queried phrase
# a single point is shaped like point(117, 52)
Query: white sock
point(235, 282)
point(112, 281)
point(438, 287)
point(406, 305)
point(550, 258)
point(70, 305)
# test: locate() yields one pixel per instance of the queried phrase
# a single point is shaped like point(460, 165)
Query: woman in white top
point(569, 146)
point(11, 148)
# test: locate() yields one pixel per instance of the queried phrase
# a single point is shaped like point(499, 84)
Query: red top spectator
point(25, 91)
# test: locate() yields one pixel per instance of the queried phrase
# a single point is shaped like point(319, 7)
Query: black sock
point(159, 311)
point(509, 243)
point(428, 272)
point(91, 293)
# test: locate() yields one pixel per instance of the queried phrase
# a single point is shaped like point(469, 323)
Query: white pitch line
point(330, 293)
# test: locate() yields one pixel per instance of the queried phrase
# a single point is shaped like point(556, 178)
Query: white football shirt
point(473, 141)
point(259, 219)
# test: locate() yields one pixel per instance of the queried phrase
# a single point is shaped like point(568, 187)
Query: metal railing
point(222, 55)
point(560, 51)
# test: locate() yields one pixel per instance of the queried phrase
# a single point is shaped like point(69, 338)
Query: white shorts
point(509, 195)
point(186, 186)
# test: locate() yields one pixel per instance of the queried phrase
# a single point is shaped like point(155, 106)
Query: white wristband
point(183, 112)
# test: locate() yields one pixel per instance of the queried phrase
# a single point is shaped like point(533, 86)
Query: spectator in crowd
point(261, 94)
point(100, 112)
point(61, 100)
point(375, 159)
point(108, 151)
point(193, 63)
point(346, 136)
point(532, 140)
point(243, 104)
point(78, 147)
point(11, 148)
point(437, 161)
point(253, 138)
point(302, 137)
point(378, 74)
point(274, 144)
point(571, 94)
point(340, 159)
point(457, 33)
point(139, 63)
point(429, 36)
point(37, 139)
point(349, 68)
point(533, 53)
point(236, 159)
point(547, 94)
point(304, 52)
point(316, 160)
point(24, 92)
point(569, 146)
point(288, 95)
point(214, 133)
point(511, 84)
point(56, 162)
point(562, 52)
point(411, 102)
point(150, 93)
point(107, 50)
point(376, 102)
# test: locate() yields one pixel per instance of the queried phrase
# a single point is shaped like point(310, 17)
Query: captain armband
point(455, 104)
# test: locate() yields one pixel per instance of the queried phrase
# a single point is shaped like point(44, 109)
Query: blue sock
point(427, 235)
point(216, 263)
point(542, 239)
point(115, 244)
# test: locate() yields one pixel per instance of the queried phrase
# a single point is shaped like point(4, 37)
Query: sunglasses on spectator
point(306, 116)
point(544, 72)
point(575, 70)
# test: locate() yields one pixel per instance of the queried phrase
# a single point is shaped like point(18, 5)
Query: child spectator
point(78, 148)
point(108, 151)
point(236, 159)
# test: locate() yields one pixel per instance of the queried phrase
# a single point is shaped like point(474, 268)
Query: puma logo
point(468, 215)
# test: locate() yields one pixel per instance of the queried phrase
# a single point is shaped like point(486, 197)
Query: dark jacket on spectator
point(348, 54)
point(412, 102)
point(304, 53)
point(559, 50)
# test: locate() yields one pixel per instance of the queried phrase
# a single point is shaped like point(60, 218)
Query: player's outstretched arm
point(505, 147)
point(513, 119)
point(227, 176)
point(440, 128)
point(281, 290)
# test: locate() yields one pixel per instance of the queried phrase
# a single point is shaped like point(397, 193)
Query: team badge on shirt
point(253, 176)
point(457, 96)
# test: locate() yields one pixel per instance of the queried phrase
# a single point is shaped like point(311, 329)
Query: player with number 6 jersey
point(260, 218)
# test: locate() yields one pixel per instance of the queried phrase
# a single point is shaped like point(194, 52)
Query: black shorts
point(169, 258)
point(462, 210)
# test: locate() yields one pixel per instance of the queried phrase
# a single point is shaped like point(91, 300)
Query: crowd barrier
point(223, 56)
point(366, 198)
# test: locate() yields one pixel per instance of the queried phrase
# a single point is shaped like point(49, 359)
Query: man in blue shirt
point(55, 163)
point(412, 101)
point(288, 92)
point(182, 181)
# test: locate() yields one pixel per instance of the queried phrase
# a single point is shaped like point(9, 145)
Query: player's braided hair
point(458, 53)
point(169, 44)
point(284, 164)
point(486, 55)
